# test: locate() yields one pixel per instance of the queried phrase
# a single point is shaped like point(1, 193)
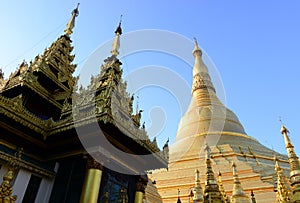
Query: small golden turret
point(238, 194)
point(222, 190)
point(294, 165)
point(197, 190)
point(282, 190)
point(211, 191)
point(253, 200)
point(71, 23)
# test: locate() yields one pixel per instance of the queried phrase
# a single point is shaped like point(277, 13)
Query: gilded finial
point(197, 192)
point(119, 29)
point(238, 193)
point(71, 23)
point(208, 151)
point(197, 48)
point(116, 43)
point(283, 129)
point(196, 42)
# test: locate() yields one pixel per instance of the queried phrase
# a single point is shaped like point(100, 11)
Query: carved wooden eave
point(29, 80)
point(27, 165)
point(14, 109)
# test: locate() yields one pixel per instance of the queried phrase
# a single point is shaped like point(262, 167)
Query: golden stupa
point(208, 122)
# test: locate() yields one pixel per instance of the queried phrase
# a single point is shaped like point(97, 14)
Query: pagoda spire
point(197, 190)
point(71, 23)
point(222, 190)
point(253, 200)
point(116, 43)
point(282, 193)
point(178, 199)
point(201, 78)
point(211, 191)
point(294, 165)
point(238, 194)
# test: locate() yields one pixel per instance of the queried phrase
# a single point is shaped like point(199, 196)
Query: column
point(140, 190)
point(92, 181)
point(20, 184)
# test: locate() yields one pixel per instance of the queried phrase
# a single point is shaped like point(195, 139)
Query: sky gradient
point(253, 44)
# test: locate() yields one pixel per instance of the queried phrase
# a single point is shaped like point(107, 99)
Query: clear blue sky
point(254, 45)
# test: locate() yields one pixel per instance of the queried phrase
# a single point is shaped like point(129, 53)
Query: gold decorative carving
point(6, 189)
point(93, 164)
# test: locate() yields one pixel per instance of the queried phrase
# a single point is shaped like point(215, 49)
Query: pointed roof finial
point(116, 43)
point(71, 23)
point(197, 48)
point(119, 29)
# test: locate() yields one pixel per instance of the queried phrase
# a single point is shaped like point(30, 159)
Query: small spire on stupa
point(116, 43)
point(71, 23)
point(221, 187)
point(197, 190)
point(178, 200)
point(210, 177)
point(282, 193)
point(253, 200)
point(294, 164)
point(238, 194)
point(211, 191)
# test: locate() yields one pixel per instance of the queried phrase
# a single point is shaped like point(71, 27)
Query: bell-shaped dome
point(206, 113)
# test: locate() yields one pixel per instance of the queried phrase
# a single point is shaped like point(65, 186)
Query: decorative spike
point(208, 151)
point(211, 190)
point(116, 43)
point(197, 49)
point(178, 200)
point(197, 190)
point(71, 23)
point(238, 194)
point(282, 190)
point(253, 200)
point(221, 187)
point(294, 165)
